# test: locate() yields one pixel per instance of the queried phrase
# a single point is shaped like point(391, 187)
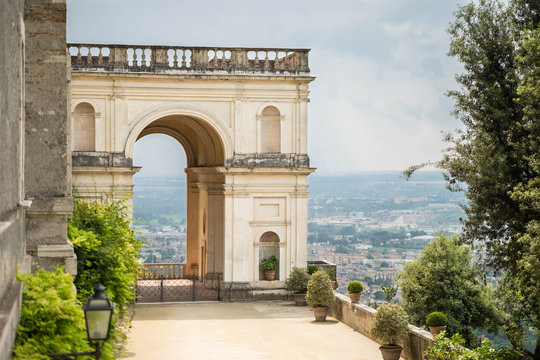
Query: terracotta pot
point(436, 330)
point(391, 352)
point(300, 299)
point(320, 313)
point(355, 297)
point(269, 274)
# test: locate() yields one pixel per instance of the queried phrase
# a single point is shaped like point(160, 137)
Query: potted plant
point(436, 322)
point(355, 289)
point(391, 326)
point(269, 265)
point(312, 268)
point(297, 283)
point(320, 294)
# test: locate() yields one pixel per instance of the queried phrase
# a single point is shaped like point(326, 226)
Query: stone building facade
point(35, 180)
point(240, 115)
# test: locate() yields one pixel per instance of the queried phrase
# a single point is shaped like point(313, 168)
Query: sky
point(381, 68)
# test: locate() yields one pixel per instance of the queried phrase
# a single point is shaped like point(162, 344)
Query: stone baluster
point(89, 57)
point(277, 65)
point(100, 56)
point(183, 58)
point(287, 65)
point(175, 58)
point(143, 58)
point(256, 61)
point(266, 61)
point(79, 55)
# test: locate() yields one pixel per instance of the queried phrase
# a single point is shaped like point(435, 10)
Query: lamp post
point(97, 315)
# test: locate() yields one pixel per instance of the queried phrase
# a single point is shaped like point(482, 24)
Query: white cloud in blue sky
point(378, 101)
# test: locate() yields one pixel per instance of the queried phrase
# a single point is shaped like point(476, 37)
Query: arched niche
point(270, 130)
point(84, 127)
point(268, 246)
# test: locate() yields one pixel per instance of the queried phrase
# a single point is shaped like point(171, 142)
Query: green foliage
point(390, 291)
point(355, 287)
point(390, 324)
point(270, 263)
point(297, 280)
point(436, 318)
point(52, 319)
point(319, 290)
point(454, 348)
point(331, 271)
point(312, 268)
point(107, 250)
point(443, 279)
point(497, 153)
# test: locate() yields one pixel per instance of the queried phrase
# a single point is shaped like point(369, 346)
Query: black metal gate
point(206, 288)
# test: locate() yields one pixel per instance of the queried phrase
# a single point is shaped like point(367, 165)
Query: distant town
point(368, 224)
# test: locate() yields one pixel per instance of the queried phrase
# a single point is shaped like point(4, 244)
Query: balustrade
point(161, 271)
point(178, 59)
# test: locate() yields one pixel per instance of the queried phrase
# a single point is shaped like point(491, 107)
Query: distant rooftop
point(182, 60)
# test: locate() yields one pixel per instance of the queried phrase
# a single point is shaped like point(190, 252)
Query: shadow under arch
point(205, 138)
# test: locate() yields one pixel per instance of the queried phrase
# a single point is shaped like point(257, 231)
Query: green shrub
point(107, 251)
point(436, 318)
point(52, 320)
point(312, 268)
point(390, 324)
point(355, 287)
point(331, 271)
point(454, 348)
point(319, 290)
point(297, 280)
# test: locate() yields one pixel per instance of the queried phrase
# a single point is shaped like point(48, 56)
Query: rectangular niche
point(269, 208)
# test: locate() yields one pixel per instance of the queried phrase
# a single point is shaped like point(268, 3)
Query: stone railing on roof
point(188, 60)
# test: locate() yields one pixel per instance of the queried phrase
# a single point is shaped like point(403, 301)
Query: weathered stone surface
point(11, 181)
point(271, 160)
point(102, 158)
point(47, 162)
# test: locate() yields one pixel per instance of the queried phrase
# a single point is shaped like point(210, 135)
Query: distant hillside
point(163, 200)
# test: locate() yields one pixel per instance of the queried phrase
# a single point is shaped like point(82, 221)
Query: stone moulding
point(269, 160)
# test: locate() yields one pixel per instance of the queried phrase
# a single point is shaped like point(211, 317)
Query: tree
point(496, 154)
point(443, 279)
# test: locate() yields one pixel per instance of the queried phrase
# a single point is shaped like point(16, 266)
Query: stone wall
point(47, 163)
point(12, 246)
point(359, 317)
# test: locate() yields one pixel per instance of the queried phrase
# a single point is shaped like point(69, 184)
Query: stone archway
point(205, 199)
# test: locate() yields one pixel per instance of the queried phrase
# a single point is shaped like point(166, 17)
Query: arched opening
point(203, 189)
point(159, 199)
point(270, 130)
point(269, 245)
point(84, 128)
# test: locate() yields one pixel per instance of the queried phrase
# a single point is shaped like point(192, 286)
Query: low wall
point(359, 317)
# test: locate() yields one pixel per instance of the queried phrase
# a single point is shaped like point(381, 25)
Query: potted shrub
point(297, 283)
point(355, 289)
point(269, 265)
point(436, 322)
point(320, 294)
point(312, 268)
point(391, 326)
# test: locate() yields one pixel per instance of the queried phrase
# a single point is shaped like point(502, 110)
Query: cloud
point(378, 101)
